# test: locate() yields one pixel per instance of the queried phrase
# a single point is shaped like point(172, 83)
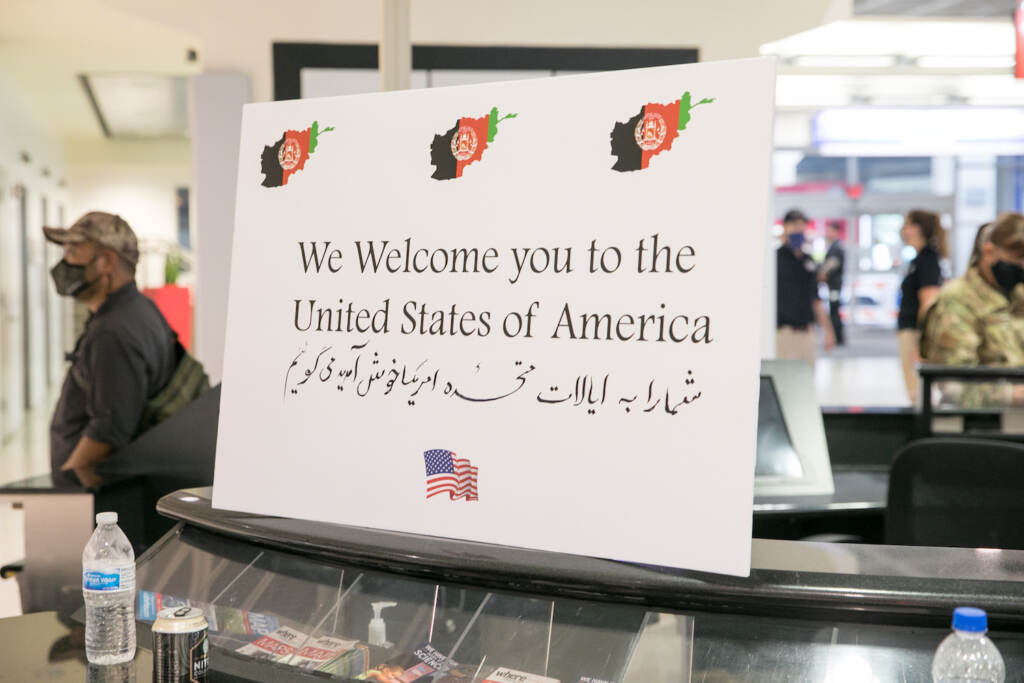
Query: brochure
point(277, 646)
point(150, 604)
point(348, 664)
point(503, 675)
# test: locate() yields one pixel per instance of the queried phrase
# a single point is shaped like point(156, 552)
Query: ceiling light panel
point(845, 61)
point(965, 62)
point(900, 37)
point(141, 105)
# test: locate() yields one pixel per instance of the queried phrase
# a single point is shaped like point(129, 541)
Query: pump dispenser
point(378, 630)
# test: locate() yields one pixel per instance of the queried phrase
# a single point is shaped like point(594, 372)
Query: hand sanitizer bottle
point(378, 630)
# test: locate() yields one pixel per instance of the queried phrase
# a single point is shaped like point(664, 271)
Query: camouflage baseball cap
point(105, 229)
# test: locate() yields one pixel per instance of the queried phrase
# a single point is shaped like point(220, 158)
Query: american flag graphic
point(451, 475)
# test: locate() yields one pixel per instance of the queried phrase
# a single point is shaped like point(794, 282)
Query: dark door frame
point(290, 58)
point(26, 332)
point(47, 326)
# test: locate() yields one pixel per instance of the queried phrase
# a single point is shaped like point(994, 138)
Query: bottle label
point(102, 581)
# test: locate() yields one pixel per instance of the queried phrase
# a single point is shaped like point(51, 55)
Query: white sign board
point(522, 313)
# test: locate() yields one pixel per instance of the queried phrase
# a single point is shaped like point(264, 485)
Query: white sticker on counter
point(522, 313)
point(513, 676)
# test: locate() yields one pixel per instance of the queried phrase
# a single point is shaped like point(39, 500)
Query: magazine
point(277, 646)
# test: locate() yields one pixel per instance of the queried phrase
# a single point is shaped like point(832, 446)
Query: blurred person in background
point(979, 239)
point(797, 306)
point(923, 231)
point(123, 358)
point(978, 319)
point(832, 275)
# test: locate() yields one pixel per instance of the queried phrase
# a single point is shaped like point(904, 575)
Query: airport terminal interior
point(889, 467)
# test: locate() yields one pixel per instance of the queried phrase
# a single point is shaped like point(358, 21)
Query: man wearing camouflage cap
point(126, 353)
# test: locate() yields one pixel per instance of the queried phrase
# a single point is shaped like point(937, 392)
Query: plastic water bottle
point(108, 582)
point(967, 655)
point(111, 673)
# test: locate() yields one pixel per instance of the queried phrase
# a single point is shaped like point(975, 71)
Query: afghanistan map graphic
point(289, 154)
point(650, 132)
point(462, 144)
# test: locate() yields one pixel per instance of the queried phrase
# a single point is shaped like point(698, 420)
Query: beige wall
point(138, 181)
point(22, 130)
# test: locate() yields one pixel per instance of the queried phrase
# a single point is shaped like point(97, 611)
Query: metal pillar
point(395, 56)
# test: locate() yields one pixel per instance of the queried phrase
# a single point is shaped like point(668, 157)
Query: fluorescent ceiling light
point(845, 61)
point(910, 38)
point(965, 62)
point(139, 105)
point(934, 87)
point(900, 131)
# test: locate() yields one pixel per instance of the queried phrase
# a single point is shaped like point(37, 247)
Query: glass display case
point(289, 600)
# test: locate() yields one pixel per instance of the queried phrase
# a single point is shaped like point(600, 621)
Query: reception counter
point(281, 593)
point(807, 609)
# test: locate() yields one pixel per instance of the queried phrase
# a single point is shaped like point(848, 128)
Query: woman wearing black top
point(922, 231)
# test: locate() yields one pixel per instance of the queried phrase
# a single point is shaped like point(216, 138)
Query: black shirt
point(924, 271)
point(796, 288)
point(837, 255)
point(124, 357)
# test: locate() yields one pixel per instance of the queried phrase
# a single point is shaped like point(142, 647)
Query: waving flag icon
point(451, 475)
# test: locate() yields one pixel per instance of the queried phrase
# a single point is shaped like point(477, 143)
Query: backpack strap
point(187, 383)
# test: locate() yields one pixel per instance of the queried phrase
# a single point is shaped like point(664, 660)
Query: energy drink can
point(180, 646)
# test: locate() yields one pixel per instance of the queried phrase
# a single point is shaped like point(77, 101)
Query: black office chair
point(957, 492)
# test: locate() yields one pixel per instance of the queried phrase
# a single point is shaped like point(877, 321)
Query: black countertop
point(47, 646)
point(61, 482)
point(843, 581)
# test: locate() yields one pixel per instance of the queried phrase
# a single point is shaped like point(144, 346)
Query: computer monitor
point(792, 454)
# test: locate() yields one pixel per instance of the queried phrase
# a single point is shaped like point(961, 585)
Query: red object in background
point(839, 223)
point(854, 191)
point(1018, 25)
point(817, 186)
point(176, 305)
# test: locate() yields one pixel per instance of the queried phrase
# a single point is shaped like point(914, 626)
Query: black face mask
point(69, 279)
point(1007, 275)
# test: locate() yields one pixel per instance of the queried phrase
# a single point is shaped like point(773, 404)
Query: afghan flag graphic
point(462, 144)
point(650, 132)
point(289, 154)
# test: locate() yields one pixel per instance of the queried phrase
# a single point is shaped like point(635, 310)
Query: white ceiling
point(924, 62)
point(902, 37)
point(46, 44)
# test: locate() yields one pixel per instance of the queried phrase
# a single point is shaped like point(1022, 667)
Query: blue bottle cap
point(970, 619)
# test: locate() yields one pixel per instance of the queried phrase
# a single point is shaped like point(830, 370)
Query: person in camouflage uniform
point(978, 319)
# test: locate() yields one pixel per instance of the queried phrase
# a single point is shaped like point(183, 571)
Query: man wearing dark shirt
point(832, 275)
point(125, 355)
point(797, 305)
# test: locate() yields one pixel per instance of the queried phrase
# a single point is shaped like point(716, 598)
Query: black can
point(180, 646)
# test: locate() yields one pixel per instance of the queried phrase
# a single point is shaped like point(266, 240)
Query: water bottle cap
point(106, 518)
point(970, 619)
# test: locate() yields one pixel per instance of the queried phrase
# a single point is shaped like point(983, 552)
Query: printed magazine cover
point(277, 646)
point(419, 665)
